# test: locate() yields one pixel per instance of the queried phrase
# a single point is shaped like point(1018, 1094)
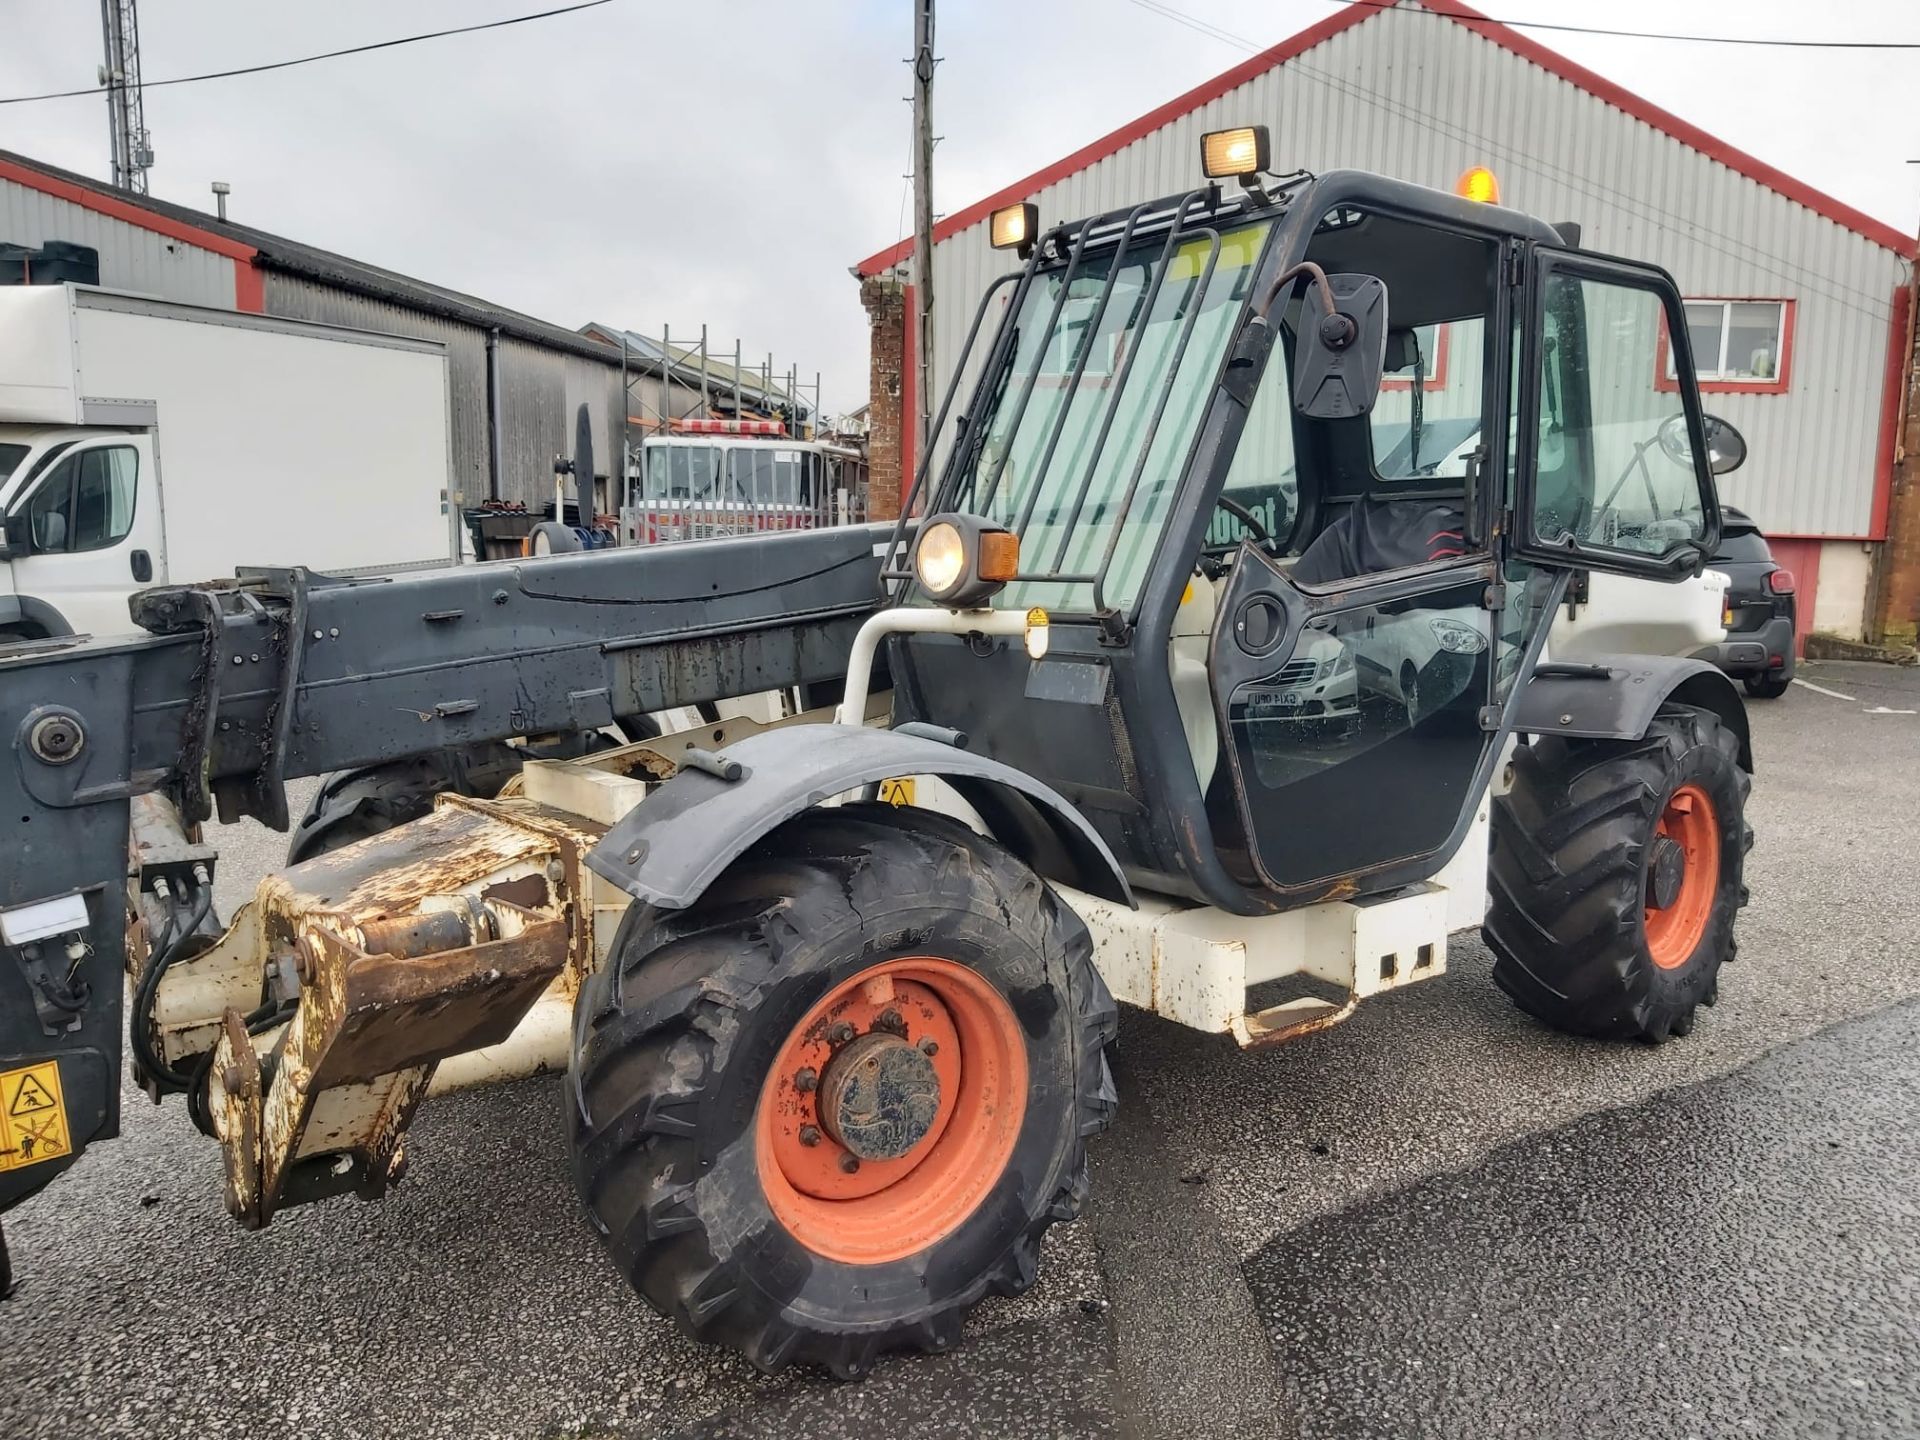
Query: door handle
point(142, 565)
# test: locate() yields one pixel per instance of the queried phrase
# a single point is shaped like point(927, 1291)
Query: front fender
point(672, 845)
point(1576, 699)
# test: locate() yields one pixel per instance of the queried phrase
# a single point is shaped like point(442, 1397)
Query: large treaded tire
point(1567, 877)
point(675, 1035)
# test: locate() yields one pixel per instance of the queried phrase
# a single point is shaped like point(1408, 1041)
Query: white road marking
point(1883, 710)
point(1824, 691)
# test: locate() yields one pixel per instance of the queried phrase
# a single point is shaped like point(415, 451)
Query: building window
point(1434, 342)
point(1740, 346)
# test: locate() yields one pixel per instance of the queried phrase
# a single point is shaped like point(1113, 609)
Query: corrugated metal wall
point(539, 389)
point(1421, 98)
point(130, 258)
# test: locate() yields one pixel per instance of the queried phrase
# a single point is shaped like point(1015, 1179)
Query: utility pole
point(126, 111)
point(923, 63)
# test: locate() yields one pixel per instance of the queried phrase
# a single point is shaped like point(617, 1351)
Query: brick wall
point(1896, 613)
point(886, 305)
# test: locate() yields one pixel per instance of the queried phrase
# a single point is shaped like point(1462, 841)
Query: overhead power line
point(1733, 246)
point(1209, 29)
point(94, 90)
point(1685, 39)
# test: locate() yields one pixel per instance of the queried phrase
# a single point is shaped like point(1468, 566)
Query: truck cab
point(82, 527)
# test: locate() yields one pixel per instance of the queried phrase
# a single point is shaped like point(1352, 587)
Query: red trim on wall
point(249, 287)
point(1601, 88)
point(1776, 386)
point(1801, 555)
point(1899, 340)
point(1442, 353)
point(124, 210)
point(909, 393)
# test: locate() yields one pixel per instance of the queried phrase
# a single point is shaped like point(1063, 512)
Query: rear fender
point(671, 846)
point(1577, 699)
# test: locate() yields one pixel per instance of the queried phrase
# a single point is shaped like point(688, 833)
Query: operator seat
point(1376, 535)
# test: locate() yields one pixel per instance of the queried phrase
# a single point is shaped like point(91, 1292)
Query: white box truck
point(144, 442)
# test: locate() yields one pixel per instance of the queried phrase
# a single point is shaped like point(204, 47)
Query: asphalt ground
point(1437, 1219)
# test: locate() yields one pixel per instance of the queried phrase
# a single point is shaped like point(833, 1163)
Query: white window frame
point(1717, 372)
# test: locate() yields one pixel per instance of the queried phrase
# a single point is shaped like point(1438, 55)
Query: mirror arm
point(1288, 276)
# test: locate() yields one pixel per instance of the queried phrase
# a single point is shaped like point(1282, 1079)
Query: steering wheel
point(1675, 440)
point(1256, 527)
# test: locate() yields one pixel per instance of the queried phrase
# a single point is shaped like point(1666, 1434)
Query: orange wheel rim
point(914, 1070)
point(1674, 929)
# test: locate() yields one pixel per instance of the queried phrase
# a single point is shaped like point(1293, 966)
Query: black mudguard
point(667, 850)
point(1614, 697)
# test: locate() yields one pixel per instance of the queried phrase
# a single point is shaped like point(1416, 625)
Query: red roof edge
point(1117, 140)
point(1597, 85)
point(126, 210)
point(1714, 148)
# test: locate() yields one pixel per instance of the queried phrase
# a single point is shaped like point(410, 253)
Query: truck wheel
point(824, 1111)
point(1767, 687)
point(1615, 877)
point(551, 538)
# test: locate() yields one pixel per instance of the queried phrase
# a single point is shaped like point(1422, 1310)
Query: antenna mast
point(126, 112)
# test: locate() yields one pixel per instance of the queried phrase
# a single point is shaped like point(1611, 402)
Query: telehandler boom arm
point(285, 673)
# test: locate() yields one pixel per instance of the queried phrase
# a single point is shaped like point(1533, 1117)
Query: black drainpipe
point(493, 413)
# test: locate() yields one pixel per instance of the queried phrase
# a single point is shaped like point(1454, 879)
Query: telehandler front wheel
point(821, 1113)
point(1615, 876)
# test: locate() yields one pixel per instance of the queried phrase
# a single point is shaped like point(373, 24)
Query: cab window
point(1614, 465)
point(86, 503)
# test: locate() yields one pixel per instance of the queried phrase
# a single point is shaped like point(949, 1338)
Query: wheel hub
point(1666, 872)
point(879, 1096)
point(892, 1109)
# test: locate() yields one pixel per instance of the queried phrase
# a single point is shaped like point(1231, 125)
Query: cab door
point(1613, 462)
point(88, 533)
point(1355, 721)
point(1355, 697)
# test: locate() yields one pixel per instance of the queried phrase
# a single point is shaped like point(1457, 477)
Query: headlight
point(940, 559)
point(1013, 227)
point(1458, 638)
point(961, 561)
point(1338, 665)
point(1228, 154)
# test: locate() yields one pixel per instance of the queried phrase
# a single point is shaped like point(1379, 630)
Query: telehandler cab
point(1211, 679)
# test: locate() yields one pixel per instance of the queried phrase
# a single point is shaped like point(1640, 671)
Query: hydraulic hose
point(159, 958)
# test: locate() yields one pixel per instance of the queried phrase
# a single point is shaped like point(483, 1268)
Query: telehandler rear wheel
point(1615, 877)
point(824, 1111)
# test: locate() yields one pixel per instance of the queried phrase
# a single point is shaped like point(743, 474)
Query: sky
point(726, 163)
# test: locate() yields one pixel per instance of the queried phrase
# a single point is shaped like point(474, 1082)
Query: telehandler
point(1207, 675)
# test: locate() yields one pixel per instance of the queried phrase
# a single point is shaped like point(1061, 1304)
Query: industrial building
point(1798, 303)
point(516, 381)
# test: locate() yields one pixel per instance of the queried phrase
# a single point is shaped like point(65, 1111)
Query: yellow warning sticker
point(33, 1116)
point(897, 792)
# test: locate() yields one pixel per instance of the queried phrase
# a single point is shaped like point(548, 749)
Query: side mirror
point(1726, 446)
point(18, 540)
point(1340, 351)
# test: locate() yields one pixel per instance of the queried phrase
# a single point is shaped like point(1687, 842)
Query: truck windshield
point(1085, 432)
point(10, 458)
